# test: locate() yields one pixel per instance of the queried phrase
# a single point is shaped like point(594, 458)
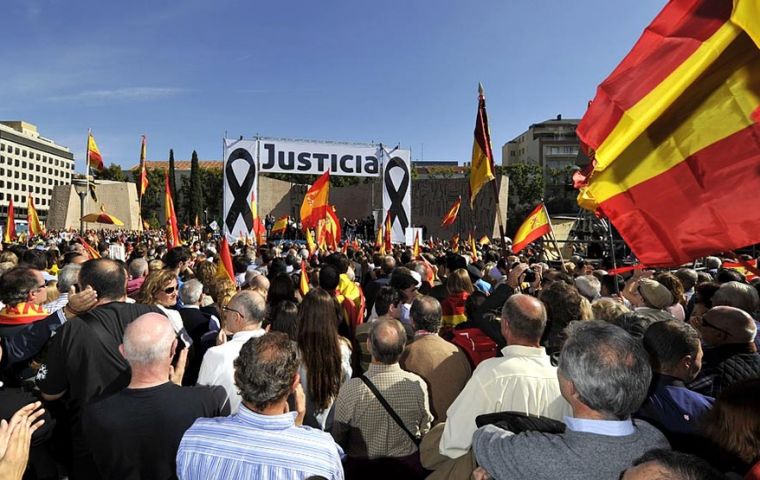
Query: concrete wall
point(118, 198)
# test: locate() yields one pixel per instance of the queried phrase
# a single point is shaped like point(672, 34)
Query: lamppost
point(80, 186)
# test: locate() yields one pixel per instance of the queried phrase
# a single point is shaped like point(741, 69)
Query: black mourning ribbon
point(240, 205)
point(397, 196)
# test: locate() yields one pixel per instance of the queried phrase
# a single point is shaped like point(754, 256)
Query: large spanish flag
point(94, 158)
point(534, 227)
point(332, 228)
point(259, 229)
point(280, 225)
point(388, 243)
point(143, 185)
point(172, 232)
point(315, 205)
point(452, 213)
point(481, 170)
point(224, 267)
point(674, 137)
point(9, 235)
point(33, 220)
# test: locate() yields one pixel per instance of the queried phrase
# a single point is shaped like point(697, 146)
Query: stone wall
point(117, 198)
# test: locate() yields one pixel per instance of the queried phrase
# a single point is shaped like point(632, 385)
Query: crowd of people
point(159, 364)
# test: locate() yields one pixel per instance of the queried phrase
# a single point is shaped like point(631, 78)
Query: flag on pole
point(303, 284)
point(674, 134)
point(280, 225)
point(481, 169)
point(94, 158)
point(332, 228)
point(379, 244)
point(224, 268)
point(315, 203)
point(310, 245)
point(259, 229)
point(33, 220)
point(455, 243)
point(484, 240)
point(473, 247)
point(143, 185)
point(89, 249)
point(416, 247)
point(388, 229)
point(9, 235)
point(172, 232)
point(451, 216)
point(534, 227)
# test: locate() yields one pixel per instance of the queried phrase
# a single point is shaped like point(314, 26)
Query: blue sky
point(184, 72)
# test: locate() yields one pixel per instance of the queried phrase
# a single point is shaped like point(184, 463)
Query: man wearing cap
point(649, 297)
point(730, 353)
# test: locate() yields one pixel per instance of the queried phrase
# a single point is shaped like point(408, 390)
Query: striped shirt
point(251, 445)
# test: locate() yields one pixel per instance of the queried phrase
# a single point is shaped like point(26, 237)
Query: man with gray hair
point(197, 323)
point(441, 364)
point(242, 318)
point(523, 380)
point(122, 431)
point(138, 271)
point(604, 374)
point(363, 426)
point(68, 277)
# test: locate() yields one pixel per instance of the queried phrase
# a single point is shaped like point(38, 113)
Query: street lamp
point(80, 186)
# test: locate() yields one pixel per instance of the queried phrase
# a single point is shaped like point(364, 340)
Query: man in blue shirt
point(675, 351)
point(264, 440)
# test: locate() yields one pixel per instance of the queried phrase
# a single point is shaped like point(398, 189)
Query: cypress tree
point(196, 191)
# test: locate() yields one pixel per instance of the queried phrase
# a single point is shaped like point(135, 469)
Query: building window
point(15, 174)
point(23, 153)
point(37, 156)
point(16, 162)
point(23, 176)
point(24, 165)
point(37, 167)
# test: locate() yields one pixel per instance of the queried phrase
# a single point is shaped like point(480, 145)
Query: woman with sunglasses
point(160, 289)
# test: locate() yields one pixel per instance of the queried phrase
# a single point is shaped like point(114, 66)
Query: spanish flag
point(89, 249)
point(451, 216)
point(534, 227)
point(143, 185)
point(388, 229)
point(481, 170)
point(9, 235)
point(280, 225)
point(310, 242)
point(416, 247)
point(455, 243)
point(94, 158)
point(484, 240)
point(224, 268)
point(332, 228)
point(259, 229)
point(35, 227)
point(674, 137)
point(172, 232)
point(321, 235)
point(303, 284)
point(473, 247)
point(315, 202)
point(379, 245)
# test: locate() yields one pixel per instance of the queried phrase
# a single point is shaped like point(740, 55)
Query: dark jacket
point(725, 365)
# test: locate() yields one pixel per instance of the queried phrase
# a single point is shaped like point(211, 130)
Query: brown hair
point(154, 283)
point(674, 284)
point(459, 281)
point(320, 348)
point(221, 290)
point(205, 272)
point(733, 424)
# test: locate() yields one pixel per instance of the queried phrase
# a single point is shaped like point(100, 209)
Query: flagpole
point(553, 236)
point(499, 217)
point(86, 174)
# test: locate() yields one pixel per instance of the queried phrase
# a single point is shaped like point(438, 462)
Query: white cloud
point(120, 94)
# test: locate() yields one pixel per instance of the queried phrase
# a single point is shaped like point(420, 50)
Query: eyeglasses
point(228, 309)
point(37, 288)
point(705, 322)
point(170, 290)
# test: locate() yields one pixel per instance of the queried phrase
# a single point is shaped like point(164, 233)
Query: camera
point(529, 276)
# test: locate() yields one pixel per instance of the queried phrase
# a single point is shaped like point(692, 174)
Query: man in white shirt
point(242, 317)
point(523, 380)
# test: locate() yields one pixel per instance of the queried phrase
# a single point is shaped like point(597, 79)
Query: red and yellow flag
point(310, 245)
point(224, 268)
point(416, 248)
point(259, 229)
point(473, 247)
point(451, 216)
point(534, 227)
point(455, 243)
point(280, 225)
point(94, 158)
point(9, 235)
point(379, 244)
point(172, 231)
point(674, 134)
point(388, 230)
point(481, 169)
point(89, 249)
point(321, 235)
point(332, 228)
point(303, 284)
point(35, 227)
point(315, 203)
point(143, 185)
point(484, 240)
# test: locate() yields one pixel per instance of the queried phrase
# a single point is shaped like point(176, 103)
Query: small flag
point(534, 227)
point(379, 245)
point(172, 232)
point(224, 268)
point(280, 225)
point(473, 247)
point(259, 229)
point(315, 203)
point(143, 186)
point(88, 248)
point(35, 227)
point(332, 228)
point(484, 240)
point(416, 247)
point(303, 284)
point(10, 224)
point(455, 243)
point(94, 158)
point(321, 235)
point(310, 242)
point(481, 169)
point(451, 216)
point(388, 229)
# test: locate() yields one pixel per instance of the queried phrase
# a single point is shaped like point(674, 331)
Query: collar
point(245, 335)
point(610, 428)
point(663, 380)
point(523, 351)
point(423, 333)
point(382, 368)
point(265, 422)
point(196, 307)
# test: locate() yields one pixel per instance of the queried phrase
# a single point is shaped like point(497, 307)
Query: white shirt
point(217, 367)
point(524, 380)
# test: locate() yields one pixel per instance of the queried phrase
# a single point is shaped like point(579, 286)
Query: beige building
point(30, 164)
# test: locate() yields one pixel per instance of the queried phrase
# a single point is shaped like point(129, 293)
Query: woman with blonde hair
point(161, 289)
point(458, 288)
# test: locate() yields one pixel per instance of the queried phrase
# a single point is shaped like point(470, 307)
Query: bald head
point(525, 317)
point(148, 340)
point(259, 283)
point(251, 304)
point(387, 340)
point(727, 325)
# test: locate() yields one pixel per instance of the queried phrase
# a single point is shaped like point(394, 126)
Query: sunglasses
point(170, 290)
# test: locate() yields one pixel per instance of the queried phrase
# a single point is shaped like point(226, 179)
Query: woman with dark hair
point(284, 318)
point(458, 288)
point(325, 357)
point(281, 289)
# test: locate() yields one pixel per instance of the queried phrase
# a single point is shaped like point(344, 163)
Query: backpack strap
point(389, 409)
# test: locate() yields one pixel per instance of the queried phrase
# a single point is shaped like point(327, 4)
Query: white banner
point(397, 192)
point(293, 156)
point(239, 187)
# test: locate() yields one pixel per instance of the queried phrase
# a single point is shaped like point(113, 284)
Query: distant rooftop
point(179, 165)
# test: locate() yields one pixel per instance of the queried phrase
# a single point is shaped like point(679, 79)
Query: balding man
point(242, 317)
point(730, 352)
point(523, 380)
point(135, 433)
point(363, 426)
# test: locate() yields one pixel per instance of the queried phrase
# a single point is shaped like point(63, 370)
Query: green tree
point(211, 179)
point(194, 197)
point(153, 198)
point(172, 177)
point(526, 189)
point(113, 172)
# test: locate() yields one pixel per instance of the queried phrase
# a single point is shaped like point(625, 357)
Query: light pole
point(80, 186)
